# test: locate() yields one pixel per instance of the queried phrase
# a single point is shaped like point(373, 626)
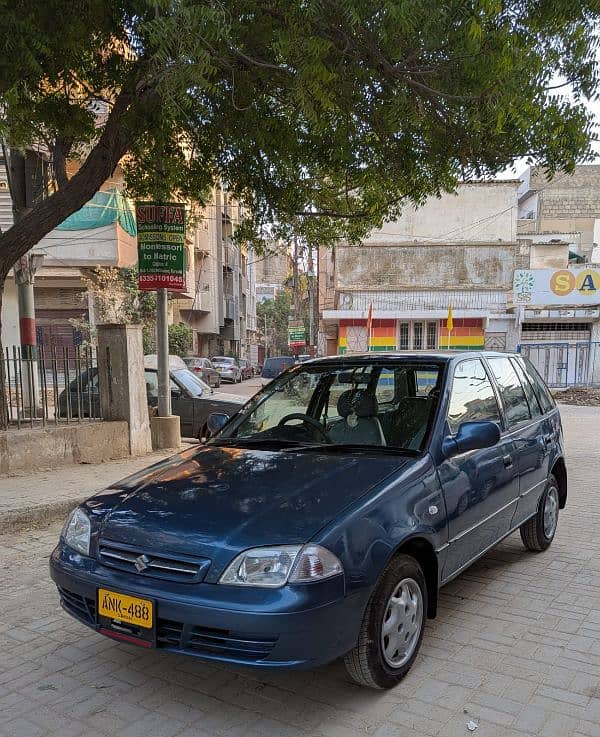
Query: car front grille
point(172, 568)
point(210, 641)
point(79, 606)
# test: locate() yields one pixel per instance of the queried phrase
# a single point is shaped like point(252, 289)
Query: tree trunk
point(44, 217)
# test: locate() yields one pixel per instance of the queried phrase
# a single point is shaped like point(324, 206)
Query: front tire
point(538, 532)
point(392, 628)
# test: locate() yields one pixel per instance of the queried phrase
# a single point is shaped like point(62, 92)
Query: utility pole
point(311, 297)
point(162, 351)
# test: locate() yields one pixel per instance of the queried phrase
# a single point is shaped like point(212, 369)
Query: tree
point(180, 340)
point(272, 319)
point(330, 115)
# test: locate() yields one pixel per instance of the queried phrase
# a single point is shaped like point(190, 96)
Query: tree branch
point(99, 166)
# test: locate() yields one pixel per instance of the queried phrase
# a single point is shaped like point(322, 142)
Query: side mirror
point(215, 421)
point(471, 436)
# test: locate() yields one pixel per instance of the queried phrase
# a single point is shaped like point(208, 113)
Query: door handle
point(547, 439)
point(507, 460)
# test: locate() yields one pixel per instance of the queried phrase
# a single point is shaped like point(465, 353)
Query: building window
point(403, 336)
point(417, 336)
point(431, 336)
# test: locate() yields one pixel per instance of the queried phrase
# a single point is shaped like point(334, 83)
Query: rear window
point(511, 391)
point(539, 387)
point(275, 366)
point(223, 359)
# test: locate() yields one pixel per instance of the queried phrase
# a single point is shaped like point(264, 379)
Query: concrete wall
point(479, 211)
point(85, 442)
point(427, 266)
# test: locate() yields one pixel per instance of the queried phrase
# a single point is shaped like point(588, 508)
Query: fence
point(565, 364)
point(57, 385)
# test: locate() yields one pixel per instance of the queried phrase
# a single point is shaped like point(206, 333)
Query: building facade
point(221, 309)
point(458, 251)
point(272, 271)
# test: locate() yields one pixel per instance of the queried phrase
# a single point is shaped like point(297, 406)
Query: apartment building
point(458, 250)
point(221, 306)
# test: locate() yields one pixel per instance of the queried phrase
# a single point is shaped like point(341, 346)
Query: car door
point(182, 404)
point(481, 487)
point(534, 442)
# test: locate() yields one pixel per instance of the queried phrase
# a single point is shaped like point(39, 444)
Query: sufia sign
point(161, 245)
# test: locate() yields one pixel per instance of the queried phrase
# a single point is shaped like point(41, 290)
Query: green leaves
point(324, 116)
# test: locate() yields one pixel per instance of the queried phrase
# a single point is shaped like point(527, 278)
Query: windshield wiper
point(357, 448)
point(274, 443)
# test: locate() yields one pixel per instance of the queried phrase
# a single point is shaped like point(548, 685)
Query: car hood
point(215, 502)
point(225, 397)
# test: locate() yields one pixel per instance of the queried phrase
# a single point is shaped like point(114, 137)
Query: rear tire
point(538, 532)
point(392, 628)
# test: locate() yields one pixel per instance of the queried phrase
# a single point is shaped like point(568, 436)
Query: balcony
point(229, 308)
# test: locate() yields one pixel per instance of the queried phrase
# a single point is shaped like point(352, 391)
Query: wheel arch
point(559, 471)
point(423, 552)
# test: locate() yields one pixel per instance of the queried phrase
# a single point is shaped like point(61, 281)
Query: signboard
point(296, 335)
point(161, 245)
point(579, 286)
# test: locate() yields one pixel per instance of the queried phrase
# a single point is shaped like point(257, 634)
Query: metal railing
point(58, 385)
point(565, 364)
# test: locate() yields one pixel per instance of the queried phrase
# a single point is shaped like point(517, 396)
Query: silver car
point(228, 368)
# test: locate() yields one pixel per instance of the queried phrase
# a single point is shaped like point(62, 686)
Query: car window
point(511, 391)
point(151, 378)
point(472, 398)
point(195, 386)
point(534, 406)
point(425, 381)
point(541, 390)
point(385, 391)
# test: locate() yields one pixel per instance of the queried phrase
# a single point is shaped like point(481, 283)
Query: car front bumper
point(296, 629)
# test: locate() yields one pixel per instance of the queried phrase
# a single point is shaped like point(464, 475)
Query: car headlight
point(274, 567)
point(76, 532)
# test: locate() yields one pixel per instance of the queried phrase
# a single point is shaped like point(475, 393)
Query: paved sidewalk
point(515, 650)
point(43, 496)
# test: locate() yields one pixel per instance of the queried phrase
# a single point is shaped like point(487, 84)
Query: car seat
point(359, 424)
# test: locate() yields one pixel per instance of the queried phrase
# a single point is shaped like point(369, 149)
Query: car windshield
point(195, 386)
point(370, 405)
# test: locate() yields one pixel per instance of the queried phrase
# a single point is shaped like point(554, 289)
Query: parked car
point(228, 368)
point(275, 366)
point(246, 368)
point(323, 526)
point(204, 369)
point(191, 398)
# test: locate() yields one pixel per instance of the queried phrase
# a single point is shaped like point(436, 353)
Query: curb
point(17, 520)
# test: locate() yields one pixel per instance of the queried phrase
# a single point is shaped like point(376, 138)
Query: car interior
point(364, 405)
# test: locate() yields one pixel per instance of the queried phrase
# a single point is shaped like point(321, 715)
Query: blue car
point(318, 524)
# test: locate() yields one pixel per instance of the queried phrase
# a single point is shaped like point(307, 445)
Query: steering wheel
point(308, 420)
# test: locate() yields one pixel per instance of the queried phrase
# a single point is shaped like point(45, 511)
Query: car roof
point(398, 357)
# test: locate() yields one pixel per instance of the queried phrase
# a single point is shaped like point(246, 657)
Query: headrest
point(358, 402)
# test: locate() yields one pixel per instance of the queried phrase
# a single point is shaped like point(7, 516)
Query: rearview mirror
point(215, 421)
point(471, 436)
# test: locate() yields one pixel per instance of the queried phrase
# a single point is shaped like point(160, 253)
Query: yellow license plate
point(129, 609)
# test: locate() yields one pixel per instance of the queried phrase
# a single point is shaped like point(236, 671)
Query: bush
point(180, 340)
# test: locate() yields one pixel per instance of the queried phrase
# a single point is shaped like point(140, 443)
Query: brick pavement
point(515, 648)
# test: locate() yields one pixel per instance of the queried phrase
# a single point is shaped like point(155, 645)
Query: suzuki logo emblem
point(142, 563)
